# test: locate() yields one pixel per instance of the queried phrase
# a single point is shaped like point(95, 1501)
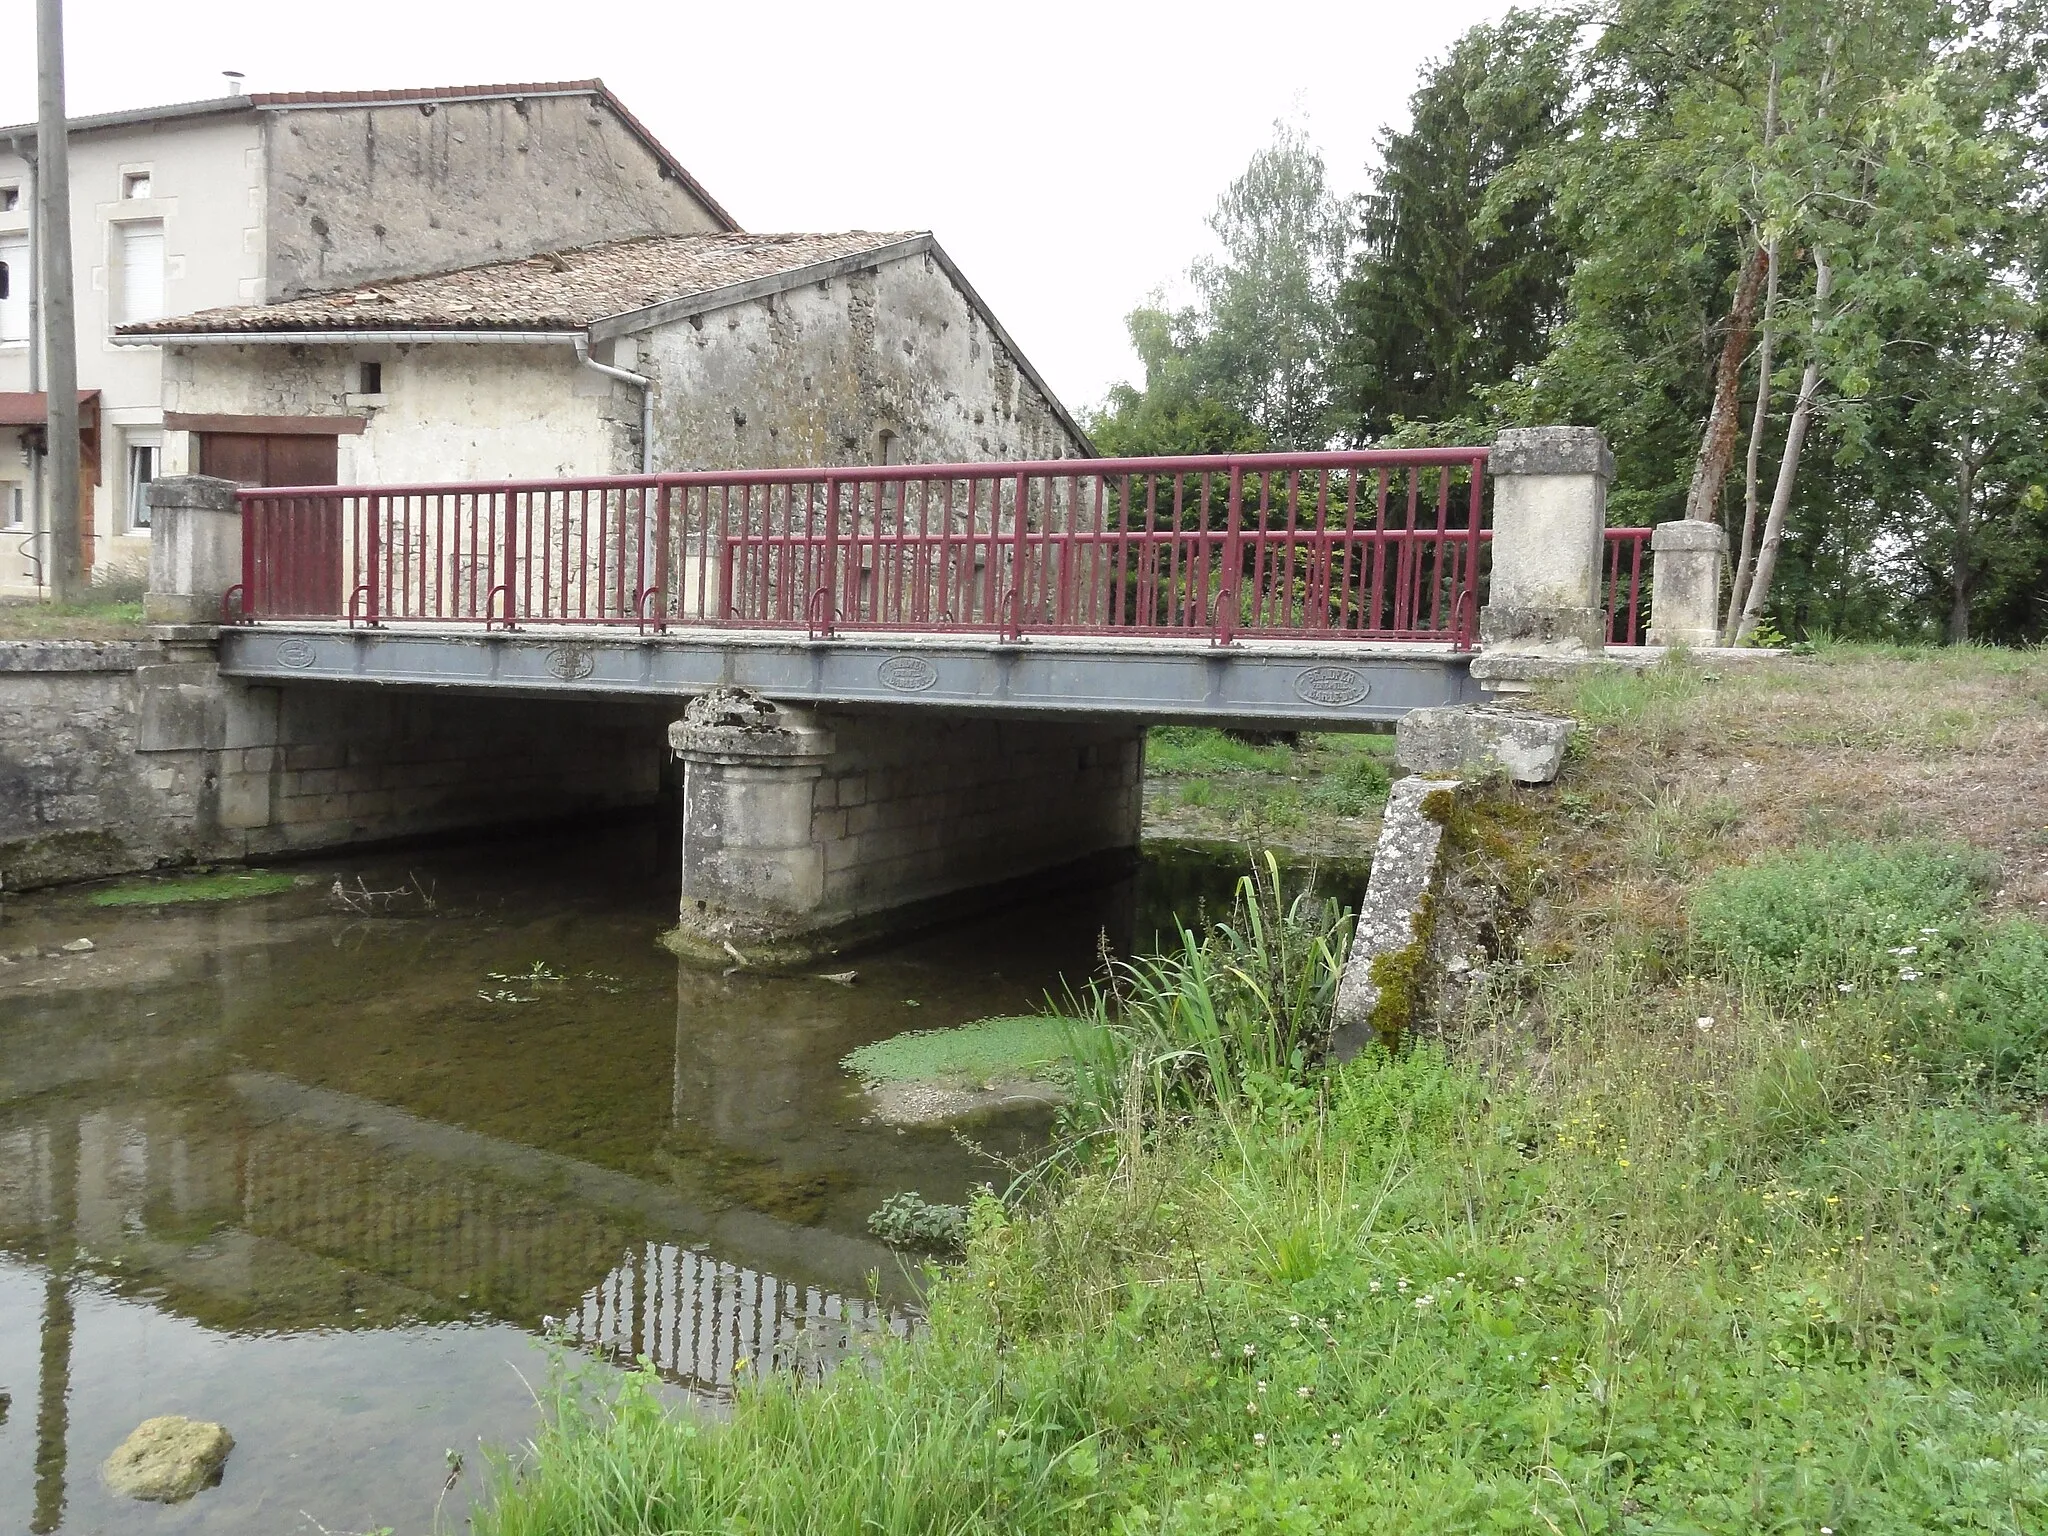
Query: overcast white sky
point(1066, 152)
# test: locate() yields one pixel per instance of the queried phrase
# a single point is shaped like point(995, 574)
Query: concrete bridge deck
point(1291, 684)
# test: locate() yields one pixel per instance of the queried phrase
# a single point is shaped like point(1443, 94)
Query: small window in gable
point(10, 199)
point(370, 378)
point(135, 184)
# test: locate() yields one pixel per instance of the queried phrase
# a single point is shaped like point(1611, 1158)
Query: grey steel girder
point(1318, 685)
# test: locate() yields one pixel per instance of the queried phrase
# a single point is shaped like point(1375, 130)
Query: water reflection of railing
point(695, 1318)
point(440, 1234)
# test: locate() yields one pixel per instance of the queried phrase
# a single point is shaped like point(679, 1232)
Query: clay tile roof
point(562, 291)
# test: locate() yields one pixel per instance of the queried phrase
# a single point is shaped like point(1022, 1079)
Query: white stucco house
point(252, 199)
point(692, 351)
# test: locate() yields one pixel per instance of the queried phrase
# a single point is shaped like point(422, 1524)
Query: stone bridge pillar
point(1685, 583)
point(753, 872)
point(803, 834)
point(195, 548)
point(1549, 542)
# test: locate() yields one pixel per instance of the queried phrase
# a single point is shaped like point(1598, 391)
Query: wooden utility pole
point(59, 314)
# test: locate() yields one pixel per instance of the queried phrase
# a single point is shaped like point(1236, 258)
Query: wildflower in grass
point(1258, 1440)
point(1424, 1301)
point(1907, 973)
point(1250, 1350)
point(1845, 986)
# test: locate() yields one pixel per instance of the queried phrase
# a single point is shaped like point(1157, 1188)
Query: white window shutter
point(142, 272)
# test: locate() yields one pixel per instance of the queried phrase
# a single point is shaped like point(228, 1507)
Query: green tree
point(1175, 412)
point(1250, 363)
point(1848, 161)
point(1456, 285)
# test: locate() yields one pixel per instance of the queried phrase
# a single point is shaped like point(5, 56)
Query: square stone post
point(1685, 582)
point(195, 548)
point(1549, 541)
point(753, 869)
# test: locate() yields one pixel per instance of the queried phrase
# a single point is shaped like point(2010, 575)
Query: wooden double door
point(299, 559)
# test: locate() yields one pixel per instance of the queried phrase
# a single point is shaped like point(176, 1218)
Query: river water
point(354, 1174)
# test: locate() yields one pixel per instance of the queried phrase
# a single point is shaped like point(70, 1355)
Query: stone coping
point(78, 655)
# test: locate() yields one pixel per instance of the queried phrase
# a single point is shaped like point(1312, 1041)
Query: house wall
point(206, 186)
point(447, 411)
point(362, 193)
point(263, 204)
point(817, 374)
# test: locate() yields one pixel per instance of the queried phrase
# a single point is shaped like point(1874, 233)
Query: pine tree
point(1457, 285)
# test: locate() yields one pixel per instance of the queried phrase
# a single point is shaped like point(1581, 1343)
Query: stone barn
point(716, 350)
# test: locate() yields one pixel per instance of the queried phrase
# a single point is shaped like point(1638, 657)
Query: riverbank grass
point(218, 885)
point(1720, 1203)
point(1308, 792)
point(105, 615)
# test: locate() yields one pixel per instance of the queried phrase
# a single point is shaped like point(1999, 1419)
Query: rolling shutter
point(142, 271)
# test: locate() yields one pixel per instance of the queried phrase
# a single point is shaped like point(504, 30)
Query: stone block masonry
point(804, 833)
point(123, 757)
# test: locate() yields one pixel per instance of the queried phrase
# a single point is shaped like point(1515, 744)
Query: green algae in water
point(1012, 1046)
point(228, 885)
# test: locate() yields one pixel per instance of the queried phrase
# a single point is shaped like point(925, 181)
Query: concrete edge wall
point(127, 756)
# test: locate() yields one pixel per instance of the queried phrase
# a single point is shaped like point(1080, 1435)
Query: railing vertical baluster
point(373, 576)
point(1230, 579)
point(1468, 616)
point(1176, 599)
point(1436, 573)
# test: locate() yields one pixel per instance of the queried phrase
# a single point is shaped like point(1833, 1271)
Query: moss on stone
point(57, 857)
point(1006, 1047)
point(1398, 975)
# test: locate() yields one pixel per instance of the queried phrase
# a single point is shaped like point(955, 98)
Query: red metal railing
point(1628, 551)
point(1364, 545)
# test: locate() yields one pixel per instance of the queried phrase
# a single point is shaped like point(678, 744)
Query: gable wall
point(357, 194)
point(815, 375)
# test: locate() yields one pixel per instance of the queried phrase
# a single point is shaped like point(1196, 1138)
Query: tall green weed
point(1249, 1001)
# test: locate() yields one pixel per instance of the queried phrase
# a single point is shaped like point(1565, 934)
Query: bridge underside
point(1267, 683)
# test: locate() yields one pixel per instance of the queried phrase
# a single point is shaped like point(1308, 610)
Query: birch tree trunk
point(1962, 576)
point(1788, 462)
point(1738, 589)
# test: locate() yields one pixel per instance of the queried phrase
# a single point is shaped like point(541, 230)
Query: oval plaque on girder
point(571, 662)
point(1332, 687)
point(295, 653)
point(908, 674)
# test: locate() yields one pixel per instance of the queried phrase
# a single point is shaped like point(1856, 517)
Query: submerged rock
point(169, 1459)
point(79, 947)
